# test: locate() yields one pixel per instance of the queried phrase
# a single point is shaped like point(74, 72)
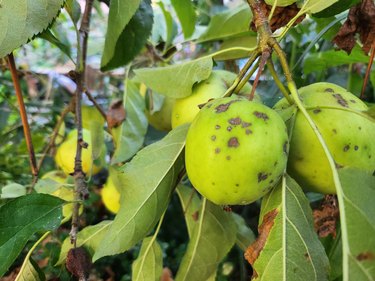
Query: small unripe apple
point(111, 196)
point(66, 152)
point(185, 109)
point(236, 150)
point(161, 119)
point(348, 134)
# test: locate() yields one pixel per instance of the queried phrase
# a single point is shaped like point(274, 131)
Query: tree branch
point(80, 191)
point(25, 123)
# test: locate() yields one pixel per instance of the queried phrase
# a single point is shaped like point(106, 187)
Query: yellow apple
point(111, 196)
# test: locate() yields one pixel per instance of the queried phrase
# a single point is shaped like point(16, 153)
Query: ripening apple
point(111, 195)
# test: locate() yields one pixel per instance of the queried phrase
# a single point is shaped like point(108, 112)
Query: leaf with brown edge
point(116, 114)
point(289, 247)
point(264, 229)
point(361, 20)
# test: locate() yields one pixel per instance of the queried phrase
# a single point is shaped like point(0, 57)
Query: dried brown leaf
point(78, 262)
point(326, 216)
point(361, 20)
point(116, 114)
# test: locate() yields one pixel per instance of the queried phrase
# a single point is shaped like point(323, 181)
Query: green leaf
point(230, 23)
point(149, 264)
point(47, 186)
point(89, 237)
point(47, 35)
point(12, 190)
point(176, 81)
point(21, 20)
point(245, 236)
point(169, 24)
point(191, 205)
point(30, 271)
point(357, 223)
point(21, 218)
point(322, 60)
point(236, 48)
point(129, 26)
point(129, 137)
point(291, 249)
point(74, 10)
point(147, 183)
point(315, 6)
point(211, 240)
point(186, 15)
point(336, 8)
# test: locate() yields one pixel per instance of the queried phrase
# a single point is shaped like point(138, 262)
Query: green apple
point(348, 134)
point(185, 109)
point(236, 150)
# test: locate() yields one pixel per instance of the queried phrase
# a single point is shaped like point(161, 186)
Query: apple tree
point(187, 140)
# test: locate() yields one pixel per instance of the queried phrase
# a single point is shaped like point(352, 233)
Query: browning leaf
point(116, 114)
point(326, 216)
point(256, 247)
point(78, 262)
point(281, 15)
point(361, 20)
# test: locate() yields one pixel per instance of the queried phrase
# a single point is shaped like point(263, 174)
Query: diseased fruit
point(185, 109)
point(66, 153)
point(235, 150)
point(348, 135)
point(111, 196)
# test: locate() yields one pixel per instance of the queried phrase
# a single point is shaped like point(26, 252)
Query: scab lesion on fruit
point(228, 157)
point(224, 106)
point(346, 147)
point(262, 176)
point(217, 150)
point(261, 115)
point(213, 137)
point(316, 111)
point(340, 100)
point(233, 142)
point(285, 147)
point(217, 127)
point(229, 128)
point(356, 147)
point(329, 90)
point(235, 121)
point(248, 132)
point(245, 124)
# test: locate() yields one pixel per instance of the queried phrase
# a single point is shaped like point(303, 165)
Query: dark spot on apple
point(346, 148)
point(340, 100)
point(353, 101)
point(217, 150)
point(224, 106)
point(217, 127)
point(334, 131)
point(228, 157)
point(235, 121)
point(338, 166)
point(329, 90)
point(275, 164)
point(229, 128)
point(271, 181)
point(237, 185)
point(248, 132)
point(359, 128)
point(262, 176)
point(261, 115)
point(245, 124)
point(233, 142)
point(209, 106)
point(307, 256)
point(316, 111)
point(212, 183)
point(356, 147)
point(213, 137)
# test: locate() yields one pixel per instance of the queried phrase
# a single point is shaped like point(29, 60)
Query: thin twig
point(54, 134)
point(247, 77)
point(25, 123)
point(80, 191)
point(92, 99)
point(262, 63)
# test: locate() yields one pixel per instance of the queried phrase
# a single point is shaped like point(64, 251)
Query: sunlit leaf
point(287, 245)
point(30, 271)
point(21, 20)
point(20, 218)
point(146, 182)
point(149, 264)
point(315, 6)
point(211, 240)
point(176, 81)
point(12, 190)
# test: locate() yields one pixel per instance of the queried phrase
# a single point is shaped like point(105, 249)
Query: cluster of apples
point(237, 150)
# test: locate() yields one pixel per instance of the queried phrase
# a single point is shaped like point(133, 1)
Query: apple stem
point(278, 82)
point(247, 77)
